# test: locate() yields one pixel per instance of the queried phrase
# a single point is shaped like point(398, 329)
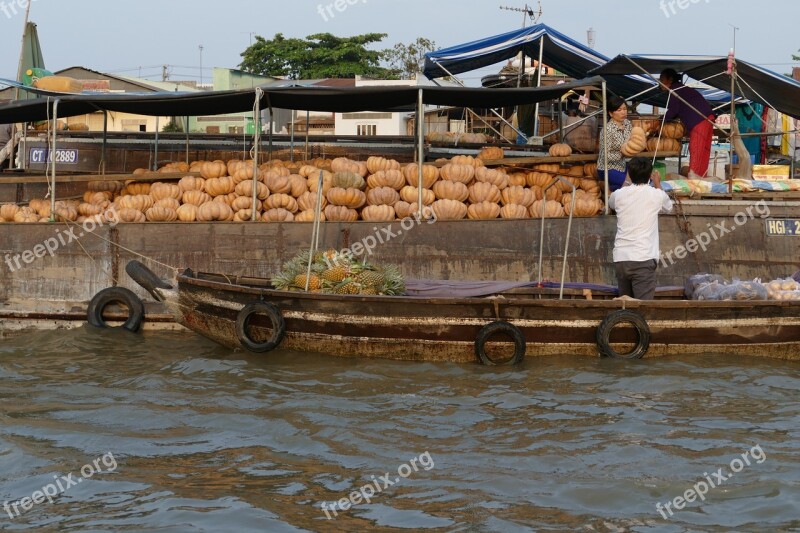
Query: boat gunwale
point(505, 300)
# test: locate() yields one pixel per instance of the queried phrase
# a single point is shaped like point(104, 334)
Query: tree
point(321, 55)
point(405, 61)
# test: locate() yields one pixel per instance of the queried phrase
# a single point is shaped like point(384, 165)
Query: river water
point(169, 432)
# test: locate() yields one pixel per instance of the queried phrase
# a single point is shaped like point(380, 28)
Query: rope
point(132, 252)
point(109, 274)
point(660, 131)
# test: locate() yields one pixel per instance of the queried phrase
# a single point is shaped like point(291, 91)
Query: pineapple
point(348, 286)
point(371, 278)
point(336, 274)
point(314, 282)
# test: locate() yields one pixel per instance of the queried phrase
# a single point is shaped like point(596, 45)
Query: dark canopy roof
point(756, 83)
point(559, 51)
point(301, 98)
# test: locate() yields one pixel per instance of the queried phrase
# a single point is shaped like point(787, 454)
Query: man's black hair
point(671, 74)
point(640, 170)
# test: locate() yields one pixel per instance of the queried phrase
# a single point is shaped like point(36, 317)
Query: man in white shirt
point(636, 248)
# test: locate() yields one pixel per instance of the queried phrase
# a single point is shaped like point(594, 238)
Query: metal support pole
point(308, 128)
point(52, 158)
point(105, 144)
point(605, 144)
point(538, 84)
point(420, 148)
point(187, 138)
point(271, 122)
point(291, 142)
point(256, 143)
point(155, 157)
point(730, 136)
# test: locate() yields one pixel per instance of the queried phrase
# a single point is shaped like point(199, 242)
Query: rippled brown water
point(203, 438)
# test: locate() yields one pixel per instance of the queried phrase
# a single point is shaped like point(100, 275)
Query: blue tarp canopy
point(753, 82)
point(560, 52)
point(344, 100)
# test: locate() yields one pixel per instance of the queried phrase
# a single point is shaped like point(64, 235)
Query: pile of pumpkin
point(667, 140)
point(376, 190)
point(456, 138)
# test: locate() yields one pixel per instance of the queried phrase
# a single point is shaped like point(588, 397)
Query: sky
point(136, 37)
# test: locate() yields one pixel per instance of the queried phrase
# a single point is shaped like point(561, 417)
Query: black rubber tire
point(622, 317)
point(104, 298)
point(243, 323)
point(146, 278)
point(488, 331)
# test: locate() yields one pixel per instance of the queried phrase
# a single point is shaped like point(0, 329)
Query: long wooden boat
point(504, 327)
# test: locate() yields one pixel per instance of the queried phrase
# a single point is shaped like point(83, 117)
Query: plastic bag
point(694, 282)
point(744, 290)
point(709, 291)
point(782, 289)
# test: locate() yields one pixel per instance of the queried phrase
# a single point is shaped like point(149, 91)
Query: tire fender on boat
point(504, 328)
point(625, 316)
point(147, 279)
point(243, 326)
point(104, 298)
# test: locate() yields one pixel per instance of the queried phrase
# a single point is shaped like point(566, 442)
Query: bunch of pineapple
point(336, 273)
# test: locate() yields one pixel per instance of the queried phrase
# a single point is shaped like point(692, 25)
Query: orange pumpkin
point(195, 197)
point(299, 185)
point(552, 209)
point(483, 211)
point(187, 213)
point(307, 215)
point(139, 202)
point(518, 179)
point(245, 202)
point(133, 188)
point(105, 186)
point(466, 160)
point(161, 214)
point(213, 169)
point(495, 177)
point(483, 192)
point(169, 203)
point(277, 214)
point(375, 164)
point(673, 130)
point(130, 215)
point(519, 196)
point(278, 183)
point(450, 190)
point(585, 206)
point(389, 178)
point(539, 179)
point(8, 212)
point(245, 188)
point(514, 211)
point(191, 183)
point(281, 201)
point(460, 173)
point(403, 209)
point(84, 210)
point(378, 213)
point(214, 211)
point(159, 191)
point(352, 198)
point(411, 195)
point(449, 210)
point(590, 170)
point(560, 150)
point(491, 153)
point(308, 201)
point(219, 186)
point(430, 174)
point(663, 145)
point(340, 213)
point(383, 196)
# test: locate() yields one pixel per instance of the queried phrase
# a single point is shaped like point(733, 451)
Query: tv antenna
point(527, 11)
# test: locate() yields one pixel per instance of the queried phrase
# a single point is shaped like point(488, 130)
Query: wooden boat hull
point(445, 329)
